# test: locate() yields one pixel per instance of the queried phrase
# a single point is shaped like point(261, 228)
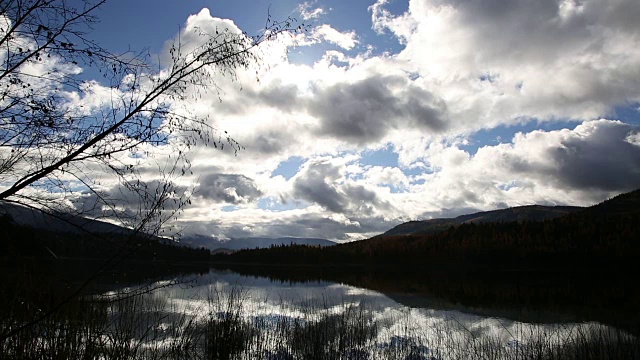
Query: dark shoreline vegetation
point(601, 238)
point(574, 269)
point(148, 327)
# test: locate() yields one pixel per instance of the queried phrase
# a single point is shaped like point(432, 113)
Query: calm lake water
point(421, 321)
point(283, 313)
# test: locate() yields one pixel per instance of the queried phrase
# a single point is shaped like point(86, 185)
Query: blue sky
point(395, 110)
point(121, 28)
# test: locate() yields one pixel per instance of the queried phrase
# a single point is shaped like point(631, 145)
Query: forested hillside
point(519, 213)
point(603, 235)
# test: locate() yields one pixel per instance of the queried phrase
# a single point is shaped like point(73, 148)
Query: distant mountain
point(30, 233)
point(600, 238)
point(212, 243)
point(61, 223)
point(520, 213)
point(58, 222)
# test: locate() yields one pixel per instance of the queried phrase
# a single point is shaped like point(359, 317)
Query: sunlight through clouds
point(420, 79)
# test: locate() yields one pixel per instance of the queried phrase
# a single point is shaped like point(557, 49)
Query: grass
point(229, 325)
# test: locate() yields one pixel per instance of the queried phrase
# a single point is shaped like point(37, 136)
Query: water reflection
point(336, 314)
point(384, 328)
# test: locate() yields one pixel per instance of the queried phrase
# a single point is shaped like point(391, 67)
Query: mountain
point(520, 213)
point(623, 204)
point(27, 233)
point(58, 222)
point(600, 238)
point(212, 243)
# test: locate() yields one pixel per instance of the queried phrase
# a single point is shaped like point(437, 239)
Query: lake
point(281, 319)
point(262, 312)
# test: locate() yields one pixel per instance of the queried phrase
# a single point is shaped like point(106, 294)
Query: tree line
point(598, 237)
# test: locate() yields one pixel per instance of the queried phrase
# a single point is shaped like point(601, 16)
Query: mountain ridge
point(516, 213)
point(59, 221)
point(600, 238)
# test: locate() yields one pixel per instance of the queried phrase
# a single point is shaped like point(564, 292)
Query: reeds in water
point(228, 325)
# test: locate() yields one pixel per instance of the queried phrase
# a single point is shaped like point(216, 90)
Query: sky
point(392, 110)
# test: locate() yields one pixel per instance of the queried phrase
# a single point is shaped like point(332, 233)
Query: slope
point(520, 213)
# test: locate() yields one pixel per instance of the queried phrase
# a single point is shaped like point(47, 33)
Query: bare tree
point(57, 154)
point(50, 150)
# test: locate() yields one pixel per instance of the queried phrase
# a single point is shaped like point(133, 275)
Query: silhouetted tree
point(49, 148)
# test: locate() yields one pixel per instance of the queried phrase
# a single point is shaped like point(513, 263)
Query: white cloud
point(564, 166)
point(633, 138)
point(465, 66)
point(548, 59)
point(308, 11)
point(346, 40)
point(313, 111)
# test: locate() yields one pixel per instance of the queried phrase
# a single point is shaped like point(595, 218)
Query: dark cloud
point(277, 95)
point(594, 157)
point(280, 96)
point(358, 112)
point(129, 204)
point(603, 160)
point(270, 143)
point(524, 30)
point(308, 225)
point(228, 188)
point(622, 15)
point(363, 199)
point(317, 184)
point(365, 111)
point(313, 226)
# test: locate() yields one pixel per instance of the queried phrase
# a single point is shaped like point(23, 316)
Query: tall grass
point(228, 325)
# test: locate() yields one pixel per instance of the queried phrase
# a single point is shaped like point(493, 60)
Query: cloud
point(386, 176)
point(366, 110)
point(228, 188)
point(342, 199)
point(308, 11)
point(316, 184)
point(596, 155)
point(547, 59)
point(346, 40)
point(326, 33)
point(323, 181)
point(464, 66)
point(311, 224)
point(570, 166)
point(128, 205)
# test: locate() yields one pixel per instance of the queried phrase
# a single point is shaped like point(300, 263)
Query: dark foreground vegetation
point(600, 238)
point(225, 326)
point(569, 271)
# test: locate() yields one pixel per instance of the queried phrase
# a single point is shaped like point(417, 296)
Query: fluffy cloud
point(346, 40)
point(228, 188)
point(464, 66)
point(500, 61)
point(581, 166)
point(308, 12)
point(550, 63)
point(324, 182)
point(594, 156)
point(366, 110)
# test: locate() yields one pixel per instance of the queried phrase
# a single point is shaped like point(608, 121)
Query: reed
point(227, 325)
